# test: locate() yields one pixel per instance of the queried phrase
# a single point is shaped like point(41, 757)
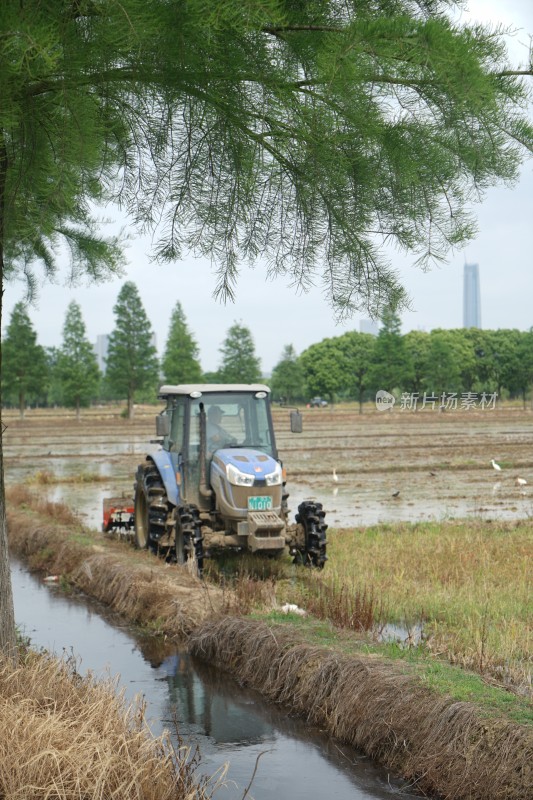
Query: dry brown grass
point(66, 737)
point(382, 707)
point(468, 582)
point(45, 477)
point(436, 744)
point(355, 608)
point(166, 599)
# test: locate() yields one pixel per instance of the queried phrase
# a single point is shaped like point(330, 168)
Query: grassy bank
point(136, 584)
point(440, 745)
point(468, 586)
point(66, 737)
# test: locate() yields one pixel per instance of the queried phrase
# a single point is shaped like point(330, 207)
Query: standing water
point(230, 725)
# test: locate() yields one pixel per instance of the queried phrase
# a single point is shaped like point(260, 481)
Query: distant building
point(368, 326)
point(471, 297)
point(102, 343)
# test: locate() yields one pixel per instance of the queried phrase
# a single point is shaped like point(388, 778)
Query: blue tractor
point(216, 482)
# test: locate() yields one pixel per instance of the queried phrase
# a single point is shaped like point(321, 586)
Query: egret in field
point(520, 481)
point(495, 466)
point(335, 476)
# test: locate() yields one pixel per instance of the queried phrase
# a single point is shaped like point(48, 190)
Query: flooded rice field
point(392, 466)
point(230, 725)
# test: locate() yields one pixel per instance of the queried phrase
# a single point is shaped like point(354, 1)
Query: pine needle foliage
point(131, 364)
point(24, 372)
point(240, 363)
point(313, 135)
point(180, 362)
point(77, 367)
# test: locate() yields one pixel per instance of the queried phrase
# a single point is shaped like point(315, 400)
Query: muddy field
point(390, 465)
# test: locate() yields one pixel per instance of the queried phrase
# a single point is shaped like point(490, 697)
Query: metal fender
point(163, 462)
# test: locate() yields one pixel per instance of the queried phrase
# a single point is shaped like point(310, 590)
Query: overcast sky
point(277, 315)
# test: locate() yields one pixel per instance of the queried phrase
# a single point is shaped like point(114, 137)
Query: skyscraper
point(102, 343)
point(471, 297)
point(368, 326)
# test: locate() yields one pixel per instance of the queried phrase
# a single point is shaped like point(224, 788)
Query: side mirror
point(162, 425)
point(296, 422)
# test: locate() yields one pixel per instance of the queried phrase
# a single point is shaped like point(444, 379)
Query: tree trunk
point(8, 636)
point(22, 405)
point(131, 407)
point(78, 412)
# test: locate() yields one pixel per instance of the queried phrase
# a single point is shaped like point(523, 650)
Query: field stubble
point(65, 736)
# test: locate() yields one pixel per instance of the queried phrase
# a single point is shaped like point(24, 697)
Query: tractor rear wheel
point(151, 507)
point(312, 518)
point(142, 521)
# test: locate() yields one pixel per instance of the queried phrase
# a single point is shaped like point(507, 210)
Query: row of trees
point(354, 365)
point(357, 365)
point(69, 375)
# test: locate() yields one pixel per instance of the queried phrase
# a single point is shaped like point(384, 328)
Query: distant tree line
point(441, 362)
point(69, 375)
point(353, 366)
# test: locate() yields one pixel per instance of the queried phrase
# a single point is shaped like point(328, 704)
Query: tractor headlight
point(274, 478)
point(238, 478)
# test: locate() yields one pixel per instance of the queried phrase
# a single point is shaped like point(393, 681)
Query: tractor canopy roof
point(206, 388)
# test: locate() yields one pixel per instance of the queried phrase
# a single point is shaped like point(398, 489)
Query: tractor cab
point(220, 434)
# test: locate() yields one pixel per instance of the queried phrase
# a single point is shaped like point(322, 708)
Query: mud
point(392, 466)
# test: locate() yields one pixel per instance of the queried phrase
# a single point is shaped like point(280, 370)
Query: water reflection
point(227, 722)
point(199, 704)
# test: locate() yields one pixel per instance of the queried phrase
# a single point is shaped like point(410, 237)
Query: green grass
point(441, 677)
point(467, 584)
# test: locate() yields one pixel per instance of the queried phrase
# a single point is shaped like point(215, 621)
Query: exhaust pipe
point(205, 491)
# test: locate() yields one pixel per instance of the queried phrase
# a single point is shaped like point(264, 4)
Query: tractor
point(216, 482)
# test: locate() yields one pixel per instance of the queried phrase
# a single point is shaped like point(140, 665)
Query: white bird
point(335, 476)
point(495, 465)
point(520, 481)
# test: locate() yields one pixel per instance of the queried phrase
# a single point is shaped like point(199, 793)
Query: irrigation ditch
point(439, 746)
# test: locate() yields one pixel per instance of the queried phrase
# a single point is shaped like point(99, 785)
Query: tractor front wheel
point(312, 518)
point(189, 541)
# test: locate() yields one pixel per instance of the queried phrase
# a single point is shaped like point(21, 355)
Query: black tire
point(189, 539)
point(151, 507)
point(312, 518)
point(182, 553)
point(142, 520)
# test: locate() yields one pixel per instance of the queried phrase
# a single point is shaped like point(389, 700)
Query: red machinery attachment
point(118, 515)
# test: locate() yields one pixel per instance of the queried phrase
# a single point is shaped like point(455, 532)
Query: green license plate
point(259, 503)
